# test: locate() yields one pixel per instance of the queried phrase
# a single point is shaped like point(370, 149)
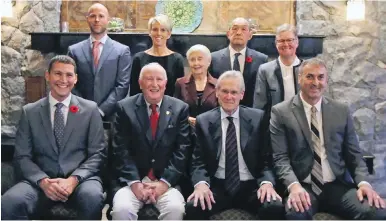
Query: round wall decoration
point(186, 15)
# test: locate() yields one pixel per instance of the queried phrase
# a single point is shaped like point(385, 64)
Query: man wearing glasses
point(277, 80)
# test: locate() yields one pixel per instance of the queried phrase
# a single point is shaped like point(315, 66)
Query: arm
point(180, 70)
point(135, 70)
point(122, 83)
point(177, 163)
point(75, 90)
point(23, 156)
point(260, 98)
point(177, 91)
point(96, 149)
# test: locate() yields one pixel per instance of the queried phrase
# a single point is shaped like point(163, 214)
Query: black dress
point(173, 64)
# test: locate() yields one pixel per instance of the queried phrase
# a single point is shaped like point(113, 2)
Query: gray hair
point(199, 48)
point(231, 74)
point(312, 61)
point(287, 27)
point(154, 66)
point(239, 18)
point(64, 59)
point(163, 20)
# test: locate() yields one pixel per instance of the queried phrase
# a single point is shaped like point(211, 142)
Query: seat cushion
point(60, 211)
point(148, 212)
point(325, 216)
point(233, 214)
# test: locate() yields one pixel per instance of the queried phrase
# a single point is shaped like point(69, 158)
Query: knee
point(124, 211)
point(190, 208)
point(92, 197)
point(371, 213)
point(176, 207)
point(12, 204)
point(291, 214)
point(272, 210)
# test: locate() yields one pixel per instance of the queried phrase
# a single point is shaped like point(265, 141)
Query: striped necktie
point(232, 173)
point(316, 173)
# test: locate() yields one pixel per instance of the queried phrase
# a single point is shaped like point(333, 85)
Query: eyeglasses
point(288, 41)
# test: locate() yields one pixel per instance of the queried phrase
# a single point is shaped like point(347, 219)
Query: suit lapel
point(107, 49)
point(165, 114)
point(226, 60)
point(86, 48)
point(296, 73)
point(190, 90)
point(143, 117)
point(326, 113)
point(215, 127)
point(247, 65)
point(298, 110)
point(45, 114)
point(279, 77)
point(73, 119)
point(245, 129)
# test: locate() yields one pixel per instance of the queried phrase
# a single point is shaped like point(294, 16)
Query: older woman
point(160, 28)
point(198, 87)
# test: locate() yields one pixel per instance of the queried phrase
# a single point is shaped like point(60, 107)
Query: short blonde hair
point(199, 48)
point(163, 20)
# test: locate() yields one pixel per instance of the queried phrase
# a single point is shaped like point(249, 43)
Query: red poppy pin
point(74, 109)
point(248, 59)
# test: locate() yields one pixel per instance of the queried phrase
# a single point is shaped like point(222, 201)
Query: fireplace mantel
point(309, 46)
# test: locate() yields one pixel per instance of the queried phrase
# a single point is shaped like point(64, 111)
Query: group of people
point(237, 126)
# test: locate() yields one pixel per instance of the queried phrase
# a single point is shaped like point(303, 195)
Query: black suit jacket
point(221, 62)
point(135, 152)
point(208, 147)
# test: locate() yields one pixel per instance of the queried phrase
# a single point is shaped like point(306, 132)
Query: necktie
point(95, 52)
point(153, 124)
point(236, 63)
point(232, 174)
point(59, 125)
point(316, 173)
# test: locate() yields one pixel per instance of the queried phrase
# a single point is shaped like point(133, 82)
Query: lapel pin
point(167, 112)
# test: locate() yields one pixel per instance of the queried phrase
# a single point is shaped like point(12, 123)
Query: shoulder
point(176, 103)
point(129, 100)
point(78, 45)
point(86, 103)
point(257, 54)
point(251, 111)
point(283, 106)
point(336, 104)
point(176, 56)
point(118, 44)
point(35, 105)
point(209, 114)
point(269, 65)
point(219, 52)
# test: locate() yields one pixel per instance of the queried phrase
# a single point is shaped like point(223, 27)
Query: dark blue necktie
point(232, 174)
point(236, 63)
point(59, 125)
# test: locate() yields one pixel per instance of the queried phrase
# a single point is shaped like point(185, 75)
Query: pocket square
point(170, 126)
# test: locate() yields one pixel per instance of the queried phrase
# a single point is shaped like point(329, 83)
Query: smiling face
point(153, 84)
point(286, 44)
point(313, 82)
point(159, 34)
point(239, 34)
point(98, 19)
point(62, 79)
point(198, 63)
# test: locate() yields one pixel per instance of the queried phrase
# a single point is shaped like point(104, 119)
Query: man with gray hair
point(315, 150)
point(230, 167)
point(237, 56)
point(150, 148)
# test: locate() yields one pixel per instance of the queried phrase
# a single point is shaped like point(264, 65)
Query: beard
point(94, 31)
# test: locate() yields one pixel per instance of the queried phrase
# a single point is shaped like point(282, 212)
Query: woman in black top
point(160, 29)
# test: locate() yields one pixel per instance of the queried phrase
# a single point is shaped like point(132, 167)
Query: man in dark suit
point(59, 151)
point(237, 56)
point(150, 145)
point(230, 165)
point(104, 65)
point(277, 80)
point(315, 150)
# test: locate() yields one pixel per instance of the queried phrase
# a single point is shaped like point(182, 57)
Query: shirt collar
point(158, 104)
point(235, 114)
point(53, 101)
point(233, 51)
point(295, 63)
point(102, 40)
point(308, 106)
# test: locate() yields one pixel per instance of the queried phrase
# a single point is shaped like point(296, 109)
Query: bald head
point(239, 21)
point(98, 19)
point(99, 7)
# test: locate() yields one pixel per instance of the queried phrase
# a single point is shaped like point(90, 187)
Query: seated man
point(314, 146)
point(59, 151)
point(230, 165)
point(150, 145)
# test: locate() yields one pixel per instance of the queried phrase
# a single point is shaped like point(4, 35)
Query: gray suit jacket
point(221, 62)
point(110, 81)
point(292, 147)
point(36, 154)
point(269, 88)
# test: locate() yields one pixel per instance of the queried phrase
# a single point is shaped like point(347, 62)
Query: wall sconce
point(6, 8)
point(355, 10)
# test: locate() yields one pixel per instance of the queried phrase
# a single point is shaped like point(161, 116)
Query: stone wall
point(355, 53)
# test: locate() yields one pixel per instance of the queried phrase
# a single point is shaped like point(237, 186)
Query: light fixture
point(6, 8)
point(355, 10)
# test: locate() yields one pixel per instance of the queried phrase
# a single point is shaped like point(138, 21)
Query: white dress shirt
point(241, 57)
point(102, 41)
point(64, 109)
point(288, 78)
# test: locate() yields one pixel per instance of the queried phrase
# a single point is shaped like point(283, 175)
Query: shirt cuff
point(289, 186)
point(132, 182)
point(202, 182)
point(364, 183)
point(101, 112)
point(264, 182)
point(163, 180)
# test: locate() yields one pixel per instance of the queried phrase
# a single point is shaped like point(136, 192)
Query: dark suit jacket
point(269, 88)
point(221, 62)
point(292, 145)
point(206, 154)
point(135, 152)
point(36, 154)
point(185, 90)
point(110, 81)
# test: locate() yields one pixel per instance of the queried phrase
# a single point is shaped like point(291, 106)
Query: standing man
point(277, 80)
point(150, 144)
point(237, 56)
point(59, 151)
point(104, 65)
point(230, 166)
point(314, 147)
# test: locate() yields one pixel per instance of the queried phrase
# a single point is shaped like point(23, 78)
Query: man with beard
point(237, 56)
point(104, 65)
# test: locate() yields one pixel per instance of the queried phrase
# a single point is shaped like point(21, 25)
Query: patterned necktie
point(59, 125)
point(153, 124)
point(232, 174)
point(95, 52)
point(316, 173)
point(236, 63)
